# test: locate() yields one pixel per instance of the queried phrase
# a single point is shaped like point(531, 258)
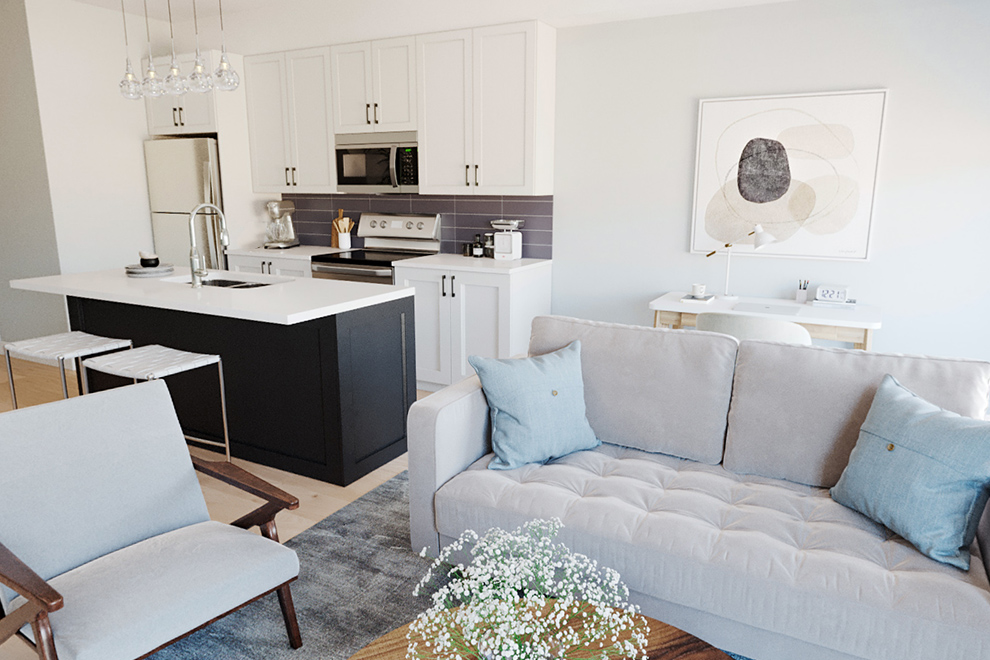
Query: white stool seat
point(154, 361)
point(64, 346)
point(150, 362)
point(55, 350)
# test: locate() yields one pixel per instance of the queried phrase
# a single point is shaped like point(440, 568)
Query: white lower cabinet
point(269, 265)
point(466, 312)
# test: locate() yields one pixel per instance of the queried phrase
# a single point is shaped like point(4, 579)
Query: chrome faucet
point(196, 264)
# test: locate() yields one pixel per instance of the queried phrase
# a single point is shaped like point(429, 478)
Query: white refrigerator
point(183, 173)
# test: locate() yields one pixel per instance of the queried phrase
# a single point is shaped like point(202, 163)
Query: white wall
point(627, 103)
point(27, 229)
point(93, 137)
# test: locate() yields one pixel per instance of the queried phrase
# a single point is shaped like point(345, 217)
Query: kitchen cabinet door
point(479, 320)
point(268, 122)
point(433, 291)
point(504, 106)
point(313, 166)
point(444, 84)
point(393, 67)
point(289, 267)
point(352, 88)
point(237, 263)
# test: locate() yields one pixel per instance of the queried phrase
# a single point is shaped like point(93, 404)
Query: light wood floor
point(37, 383)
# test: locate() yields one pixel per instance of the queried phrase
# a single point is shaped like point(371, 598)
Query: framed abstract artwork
point(804, 166)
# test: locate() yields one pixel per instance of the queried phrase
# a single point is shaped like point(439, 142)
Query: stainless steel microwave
point(377, 163)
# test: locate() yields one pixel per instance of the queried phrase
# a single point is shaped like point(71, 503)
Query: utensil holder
point(344, 241)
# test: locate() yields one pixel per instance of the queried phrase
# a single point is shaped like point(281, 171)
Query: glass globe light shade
point(175, 82)
point(199, 81)
point(152, 84)
point(130, 86)
point(226, 78)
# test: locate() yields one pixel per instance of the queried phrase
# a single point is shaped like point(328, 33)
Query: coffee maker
point(508, 241)
point(280, 233)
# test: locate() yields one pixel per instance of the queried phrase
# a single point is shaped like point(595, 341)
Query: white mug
point(697, 290)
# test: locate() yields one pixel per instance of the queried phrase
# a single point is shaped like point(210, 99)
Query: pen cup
point(801, 295)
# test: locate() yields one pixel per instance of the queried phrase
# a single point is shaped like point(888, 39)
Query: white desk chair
point(753, 327)
point(55, 350)
point(153, 362)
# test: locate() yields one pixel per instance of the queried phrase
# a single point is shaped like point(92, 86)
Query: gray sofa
point(710, 496)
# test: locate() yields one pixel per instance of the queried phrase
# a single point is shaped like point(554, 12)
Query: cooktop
point(367, 257)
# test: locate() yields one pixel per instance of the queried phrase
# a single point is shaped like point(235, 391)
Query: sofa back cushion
point(796, 410)
point(661, 391)
point(83, 477)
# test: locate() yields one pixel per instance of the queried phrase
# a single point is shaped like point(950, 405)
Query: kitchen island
point(319, 373)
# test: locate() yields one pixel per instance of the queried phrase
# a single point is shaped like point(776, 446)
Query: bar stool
point(155, 361)
point(56, 349)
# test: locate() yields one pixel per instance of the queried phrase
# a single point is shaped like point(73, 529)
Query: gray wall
point(27, 230)
point(627, 104)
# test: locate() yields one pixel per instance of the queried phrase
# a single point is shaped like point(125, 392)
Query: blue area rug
point(355, 584)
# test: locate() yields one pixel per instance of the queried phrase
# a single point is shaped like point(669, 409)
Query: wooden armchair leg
point(289, 614)
point(44, 642)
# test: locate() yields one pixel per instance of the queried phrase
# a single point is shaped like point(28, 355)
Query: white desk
point(849, 325)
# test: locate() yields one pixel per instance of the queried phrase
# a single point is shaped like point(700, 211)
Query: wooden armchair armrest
point(264, 516)
point(42, 598)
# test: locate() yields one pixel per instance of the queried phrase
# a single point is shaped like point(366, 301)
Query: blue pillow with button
point(922, 471)
point(537, 407)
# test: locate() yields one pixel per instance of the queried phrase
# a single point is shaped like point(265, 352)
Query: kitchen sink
point(225, 282)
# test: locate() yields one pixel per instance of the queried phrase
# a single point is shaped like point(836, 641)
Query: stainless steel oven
point(387, 238)
point(377, 163)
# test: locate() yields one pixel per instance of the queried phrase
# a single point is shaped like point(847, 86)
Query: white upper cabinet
point(486, 107)
point(181, 115)
point(288, 105)
point(374, 86)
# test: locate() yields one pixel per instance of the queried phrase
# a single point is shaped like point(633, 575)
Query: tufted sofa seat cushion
point(763, 552)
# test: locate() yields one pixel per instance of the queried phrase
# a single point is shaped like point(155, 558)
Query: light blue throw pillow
point(920, 470)
point(537, 407)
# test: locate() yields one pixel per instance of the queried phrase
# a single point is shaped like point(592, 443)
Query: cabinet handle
point(467, 173)
point(376, 113)
point(294, 177)
point(475, 175)
point(443, 285)
point(287, 177)
point(182, 121)
point(452, 294)
point(367, 110)
point(175, 122)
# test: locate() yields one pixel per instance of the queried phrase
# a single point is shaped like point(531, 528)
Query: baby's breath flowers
point(524, 597)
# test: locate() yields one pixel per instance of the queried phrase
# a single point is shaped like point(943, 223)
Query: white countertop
point(860, 316)
point(301, 252)
point(287, 301)
point(472, 264)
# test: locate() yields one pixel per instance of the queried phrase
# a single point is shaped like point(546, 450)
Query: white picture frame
point(804, 166)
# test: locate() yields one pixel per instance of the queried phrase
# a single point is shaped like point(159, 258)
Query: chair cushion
point(767, 553)
point(130, 602)
point(921, 471)
point(797, 410)
point(656, 390)
point(536, 406)
point(85, 476)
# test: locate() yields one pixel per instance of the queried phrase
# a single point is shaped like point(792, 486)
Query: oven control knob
point(374, 223)
point(409, 225)
point(419, 225)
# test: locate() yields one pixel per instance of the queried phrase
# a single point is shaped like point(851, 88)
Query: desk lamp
point(760, 238)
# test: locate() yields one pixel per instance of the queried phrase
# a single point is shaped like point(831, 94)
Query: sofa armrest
point(983, 537)
point(448, 431)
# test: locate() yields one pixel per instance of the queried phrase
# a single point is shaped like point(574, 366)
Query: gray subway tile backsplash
point(463, 216)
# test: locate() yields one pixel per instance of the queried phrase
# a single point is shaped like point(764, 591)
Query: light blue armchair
point(107, 551)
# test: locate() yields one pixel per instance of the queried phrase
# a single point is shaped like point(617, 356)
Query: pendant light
point(227, 79)
point(175, 82)
point(199, 81)
point(151, 85)
point(130, 86)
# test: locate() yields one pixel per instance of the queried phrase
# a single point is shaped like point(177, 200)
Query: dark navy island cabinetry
point(325, 397)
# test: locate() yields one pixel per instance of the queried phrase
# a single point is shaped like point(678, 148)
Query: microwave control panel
point(407, 166)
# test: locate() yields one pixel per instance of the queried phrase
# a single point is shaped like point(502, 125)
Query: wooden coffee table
point(664, 643)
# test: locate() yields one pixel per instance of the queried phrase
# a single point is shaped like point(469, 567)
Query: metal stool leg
point(61, 370)
point(223, 409)
point(10, 378)
point(85, 379)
